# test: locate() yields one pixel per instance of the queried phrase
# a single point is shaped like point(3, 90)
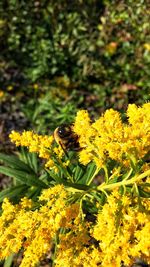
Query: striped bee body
point(66, 138)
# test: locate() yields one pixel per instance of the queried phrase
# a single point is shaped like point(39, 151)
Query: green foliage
point(28, 179)
point(28, 182)
point(101, 46)
point(85, 181)
point(54, 107)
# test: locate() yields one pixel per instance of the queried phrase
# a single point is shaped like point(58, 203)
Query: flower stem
point(134, 179)
point(93, 176)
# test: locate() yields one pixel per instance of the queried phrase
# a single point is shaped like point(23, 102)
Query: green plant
point(101, 46)
point(94, 203)
point(26, 173)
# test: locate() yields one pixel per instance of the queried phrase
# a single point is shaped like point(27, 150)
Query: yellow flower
point(108, 137)
point(120, 233)
point(82, 123)
point(35, 143)
point(10, 88)
point(34, 230)
point(35, 86)
point(147, 46)
point(121, 230)
point(1, 93)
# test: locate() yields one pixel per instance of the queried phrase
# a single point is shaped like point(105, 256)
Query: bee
point(66, 138)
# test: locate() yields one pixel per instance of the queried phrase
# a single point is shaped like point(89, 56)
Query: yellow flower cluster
point(118, 235)
point(122, 230)
point(109, 137)
point(40, 144)
point(35, 143)
point(23, 226)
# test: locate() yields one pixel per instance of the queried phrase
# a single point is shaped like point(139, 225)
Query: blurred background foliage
point(60, 56)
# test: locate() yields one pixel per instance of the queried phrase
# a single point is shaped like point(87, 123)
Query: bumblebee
point(66, 138)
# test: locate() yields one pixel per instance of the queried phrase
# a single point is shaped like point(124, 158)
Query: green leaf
point(62, 169)
point(32, 161)
point(114, 180)
point(127, 175)
point(143, 193)
point(97, 196)
point(76, 186)
point(35, 162)
point(88, 175)
point(145, 185)
point(34, 193)
point(12, 192)
point(23, 177)
point(103, 198)
point(78, 173)
point(9, 260)
point(55, 177)
point(44, 177)
point(15, 162)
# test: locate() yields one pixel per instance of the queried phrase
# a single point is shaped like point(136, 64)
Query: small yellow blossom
point(147, 46)
point(1, 93)
point(82, 125)
point(9, 87)
point(35, 86)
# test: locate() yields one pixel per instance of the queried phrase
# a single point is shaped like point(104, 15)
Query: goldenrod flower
point(121, 231)
point(34, 142)
point(111, 234)
point(34, 230)
point(108, 137)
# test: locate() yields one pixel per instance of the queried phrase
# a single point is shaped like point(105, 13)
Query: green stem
point(135, 179)
point(128, 175)
point(93, 176)
point(55, 250)
point(106, 174)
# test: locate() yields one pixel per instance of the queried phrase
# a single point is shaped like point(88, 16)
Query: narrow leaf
point(35, 162)
point(23, 177)
point(88, 175)
point(143, 193)
point(12, 192)
point(76, 186)
point(55, 177)
point(15, 162)
point(9, 260)
point(78, 173)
